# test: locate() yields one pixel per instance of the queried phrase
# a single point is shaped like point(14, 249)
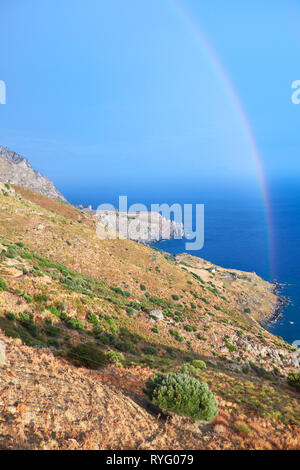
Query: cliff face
point(147, 227)
point(16, 169)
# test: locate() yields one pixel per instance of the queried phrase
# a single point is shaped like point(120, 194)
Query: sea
point(242, 230)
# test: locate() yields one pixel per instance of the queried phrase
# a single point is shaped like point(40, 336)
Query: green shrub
point(247, 310)
point(88, 355)
point(190, 328)
point(125, 346)
point(106, 338)
point(294, 380)
point(51, 330)
point(98, 329)
point(260, 371)
point(11, 252)
point(199, 364)
point(10, 316)
point(174, 332)
point(115, 357)
point(52, 309)
point(92, 318)
point(27, 321)
point(75, 323)
point(27, 297)
point(3, 285)
point(182, 394)
point(189, 370)
point(151, 350)
point(243, 428)
point(230, 347)
point(40, 298)
point(199, 336)
point(119, 291)
point(143, 287)
point(175, 297)
point(177, 336)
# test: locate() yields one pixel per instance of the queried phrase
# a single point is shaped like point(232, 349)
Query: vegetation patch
point(183, 395)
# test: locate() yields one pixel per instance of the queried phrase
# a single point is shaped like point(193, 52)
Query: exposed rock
point(147, 227)
point(15, 169)
point(156, 315)
point(2, 353)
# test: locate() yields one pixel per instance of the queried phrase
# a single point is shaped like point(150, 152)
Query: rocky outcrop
point(15, 169)
point(156, 315)
point(146, 227)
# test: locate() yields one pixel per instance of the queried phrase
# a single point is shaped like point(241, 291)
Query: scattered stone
point(156, 315)
point(2, 353)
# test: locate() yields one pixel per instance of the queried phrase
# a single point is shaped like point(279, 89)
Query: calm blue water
point(236, 233)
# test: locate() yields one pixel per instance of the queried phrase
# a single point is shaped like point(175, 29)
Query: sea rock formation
point(146, 227)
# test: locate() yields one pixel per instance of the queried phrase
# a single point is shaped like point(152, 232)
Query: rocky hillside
point(16, 169)
point(84, 322)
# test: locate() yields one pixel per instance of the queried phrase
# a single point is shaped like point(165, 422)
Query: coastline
point(281, 303)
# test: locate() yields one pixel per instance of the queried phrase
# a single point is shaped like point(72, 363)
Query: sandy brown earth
point(46, 403)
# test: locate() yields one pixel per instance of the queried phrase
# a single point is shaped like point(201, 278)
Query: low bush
point(183, 395)
point(115, 357)
point(88, 355)
point(230, 347)
point(189, 370)
point(27, 321)
point(51, 330)
point(190, 328)
point(293, 379)
point(243, 428)
point(11, 252)
point(10, 316)
point(3, 285)
point(125, 346)
point(98, 330)
point(40, 298)
point(106, 338)
point(199, 364)
point(75, 323)
point(92, 318)
point(151, 350)
point(52, 309)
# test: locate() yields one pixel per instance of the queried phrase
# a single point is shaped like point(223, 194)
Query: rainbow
point(223, 77)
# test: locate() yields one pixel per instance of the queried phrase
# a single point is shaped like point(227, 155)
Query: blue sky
point(122, 94)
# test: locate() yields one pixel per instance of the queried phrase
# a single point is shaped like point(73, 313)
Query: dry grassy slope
point(46, 403)
point(211, 299)
point(216, 308)
point(68, 236)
